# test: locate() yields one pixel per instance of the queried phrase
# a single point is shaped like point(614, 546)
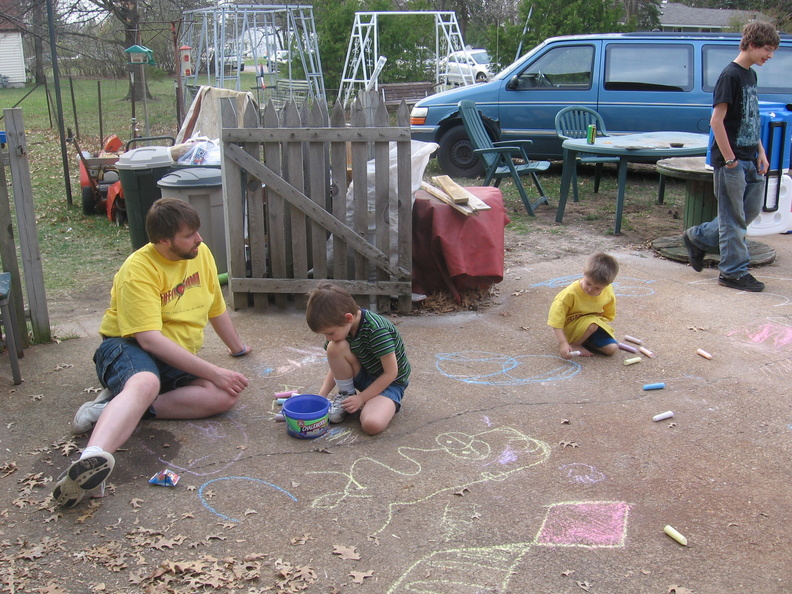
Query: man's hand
point(229, 381)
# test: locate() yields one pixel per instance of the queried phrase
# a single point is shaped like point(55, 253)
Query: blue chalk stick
point(281, 400)
point(658, 386)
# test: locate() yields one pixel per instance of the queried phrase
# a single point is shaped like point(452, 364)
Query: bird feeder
point(185, 60)
point(138, 54)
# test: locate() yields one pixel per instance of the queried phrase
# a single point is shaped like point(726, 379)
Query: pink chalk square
point(585, 524)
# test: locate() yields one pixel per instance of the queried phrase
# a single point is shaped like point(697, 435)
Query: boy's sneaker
point(745, 283)
point(82, 476)
point(337, 412)
point(89, 413)
point(695, 253)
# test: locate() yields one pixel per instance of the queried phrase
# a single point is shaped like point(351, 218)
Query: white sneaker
point(89, 413)
point(81, 477)
point(337, 412)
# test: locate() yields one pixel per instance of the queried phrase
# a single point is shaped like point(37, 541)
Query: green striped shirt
point(375, 338)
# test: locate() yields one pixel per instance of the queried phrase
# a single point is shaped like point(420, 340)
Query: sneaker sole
point(81, 477)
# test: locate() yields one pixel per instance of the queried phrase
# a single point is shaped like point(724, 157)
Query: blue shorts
point(118, 359)
point(394, 392)
point(600, 338)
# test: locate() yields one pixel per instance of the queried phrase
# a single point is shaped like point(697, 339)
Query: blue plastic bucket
point(306, 415)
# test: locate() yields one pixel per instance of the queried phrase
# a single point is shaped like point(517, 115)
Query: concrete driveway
point(508, 469)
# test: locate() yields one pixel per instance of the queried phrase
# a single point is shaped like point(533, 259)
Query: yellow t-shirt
point(153, 293)
point(574, 310)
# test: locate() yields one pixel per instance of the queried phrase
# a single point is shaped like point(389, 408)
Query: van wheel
point(456, 156)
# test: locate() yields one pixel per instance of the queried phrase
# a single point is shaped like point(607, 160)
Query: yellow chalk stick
point(704, 353)
point(633, 360)
point(646, 352)
point(675, 535)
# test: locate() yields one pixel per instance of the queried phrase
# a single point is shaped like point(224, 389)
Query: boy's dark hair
point(602, 268)
point(327, 305)
point(759, 34)
point(166, 217)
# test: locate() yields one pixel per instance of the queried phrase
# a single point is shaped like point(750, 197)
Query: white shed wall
point(12, 58)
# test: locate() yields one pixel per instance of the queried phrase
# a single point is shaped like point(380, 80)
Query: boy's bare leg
point(578, 346)
point(377, 414)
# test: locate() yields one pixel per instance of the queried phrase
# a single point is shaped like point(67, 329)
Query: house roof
point(673, 14)
point(11, 15)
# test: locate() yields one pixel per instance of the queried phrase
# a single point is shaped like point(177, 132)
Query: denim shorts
point(600, 338)
point(118, 359)
point(394, 392)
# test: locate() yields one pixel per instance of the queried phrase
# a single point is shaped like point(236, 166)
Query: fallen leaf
point(462, 491)
point(584, 585)
point(566, 422)
point(678, 590)
point(346, 553)
point(359, 576)
point(301, 540)
point(135, 502)
point(568, 572)
point(568, 444)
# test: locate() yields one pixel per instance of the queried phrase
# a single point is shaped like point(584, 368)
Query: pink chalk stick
point(288, 394)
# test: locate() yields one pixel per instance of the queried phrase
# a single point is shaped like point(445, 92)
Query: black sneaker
point(695, 253)
point(745, 283)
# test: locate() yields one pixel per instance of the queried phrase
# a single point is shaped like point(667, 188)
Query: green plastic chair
point(573, 122)
point(498, 157)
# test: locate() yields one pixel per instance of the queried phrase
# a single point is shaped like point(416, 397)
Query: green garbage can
point(139, 170)
point(202, 187)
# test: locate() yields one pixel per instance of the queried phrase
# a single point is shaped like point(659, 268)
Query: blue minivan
point(638, 82)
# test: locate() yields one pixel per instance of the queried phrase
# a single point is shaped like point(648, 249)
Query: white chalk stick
point(646, 352)
point(574, 353)
point(633, 339)
point(663, 416)
point(704, 353)
point(632, 361)
point(670, 531)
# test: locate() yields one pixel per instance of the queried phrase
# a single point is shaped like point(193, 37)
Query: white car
point(464, 67)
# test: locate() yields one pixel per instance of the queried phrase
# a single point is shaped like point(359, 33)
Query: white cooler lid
point(145, 157)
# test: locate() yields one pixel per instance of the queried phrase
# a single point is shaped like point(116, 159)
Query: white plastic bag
point(204, 152)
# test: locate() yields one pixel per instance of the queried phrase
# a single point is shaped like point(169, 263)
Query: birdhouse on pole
point(139, 54)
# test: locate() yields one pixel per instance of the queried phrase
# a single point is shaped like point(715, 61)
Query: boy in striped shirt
point(366, 355)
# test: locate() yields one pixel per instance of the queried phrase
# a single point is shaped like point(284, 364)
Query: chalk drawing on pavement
point(775, 333)
point(622, 287)
point(295, 359)
point(203, 493)
point(582, 473)
point(494, 455)
point(587, 524)
point(494, 369)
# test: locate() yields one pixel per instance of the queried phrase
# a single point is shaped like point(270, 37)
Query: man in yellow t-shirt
point(162, 298)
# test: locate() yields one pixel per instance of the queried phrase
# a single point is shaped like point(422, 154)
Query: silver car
point(466, 67)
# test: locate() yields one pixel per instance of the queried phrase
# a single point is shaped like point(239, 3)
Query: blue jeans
point(740, 193)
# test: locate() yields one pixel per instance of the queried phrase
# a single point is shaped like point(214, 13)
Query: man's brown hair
point(166, 217)
point(327, 306)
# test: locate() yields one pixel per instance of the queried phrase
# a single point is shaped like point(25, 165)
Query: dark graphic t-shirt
point(736, 87)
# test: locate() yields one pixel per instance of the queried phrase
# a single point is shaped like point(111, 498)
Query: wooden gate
point(291, 219)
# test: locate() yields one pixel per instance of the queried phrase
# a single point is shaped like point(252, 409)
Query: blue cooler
point(776, 134)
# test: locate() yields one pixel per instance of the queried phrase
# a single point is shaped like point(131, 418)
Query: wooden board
point(459, 194)
point(443, 197)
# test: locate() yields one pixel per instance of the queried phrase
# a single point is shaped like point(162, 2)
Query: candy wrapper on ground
point(166, 478)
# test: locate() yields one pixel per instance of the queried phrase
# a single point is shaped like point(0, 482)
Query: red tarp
point(453, 252)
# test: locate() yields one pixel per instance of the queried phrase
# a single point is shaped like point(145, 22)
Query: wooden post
point(232, 186)
point(26, 223)
point(8, 259)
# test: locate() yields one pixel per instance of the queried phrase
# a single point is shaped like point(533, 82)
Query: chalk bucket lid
point(306, 416)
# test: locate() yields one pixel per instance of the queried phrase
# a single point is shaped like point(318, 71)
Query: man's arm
point(719, 131)
point(225, 329)
point(166, 350)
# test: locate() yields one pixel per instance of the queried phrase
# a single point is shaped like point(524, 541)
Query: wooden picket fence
point(291, 220)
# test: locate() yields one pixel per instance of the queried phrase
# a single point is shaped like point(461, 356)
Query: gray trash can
point(202, 187)
point(140, 169)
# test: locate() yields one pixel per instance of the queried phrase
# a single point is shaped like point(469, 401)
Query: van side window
point(645, 67)
point(567, 67)
point(773, 76)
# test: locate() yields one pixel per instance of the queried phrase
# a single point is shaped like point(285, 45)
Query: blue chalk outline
point(236, 478)
point(620, 288)
point(566, 370)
